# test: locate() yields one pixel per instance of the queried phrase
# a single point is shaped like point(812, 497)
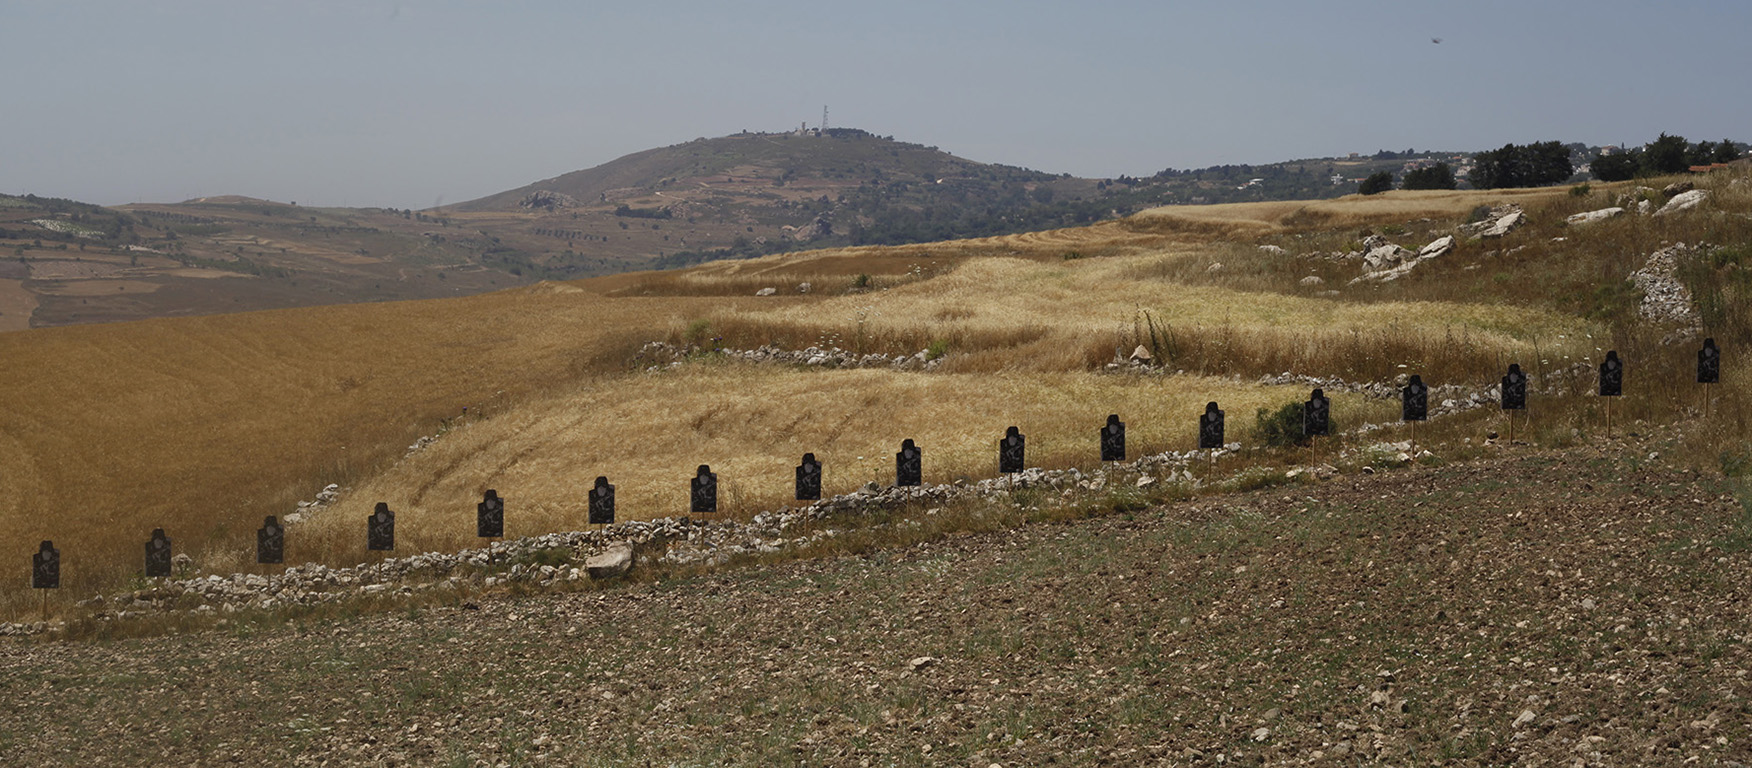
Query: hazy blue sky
point(405, 104)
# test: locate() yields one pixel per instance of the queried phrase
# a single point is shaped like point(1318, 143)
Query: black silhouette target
point(490, 516)
point(602, 502)
point(1210, 428)
point(1317, 415)
point(909, 465)
point(1113, 439)
point(270, 542)
point(1012, 452)
point(809, 479)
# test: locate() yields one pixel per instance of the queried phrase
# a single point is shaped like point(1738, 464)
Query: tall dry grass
point(1022, 314)
point(647, 433)
point(203, 426)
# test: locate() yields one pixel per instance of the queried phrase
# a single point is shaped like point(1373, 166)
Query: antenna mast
point(824, 118)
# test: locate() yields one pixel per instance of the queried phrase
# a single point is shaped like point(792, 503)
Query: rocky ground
point(1579, 608)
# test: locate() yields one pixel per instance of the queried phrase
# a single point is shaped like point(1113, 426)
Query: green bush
point(698, 332)
point(1281, 428)
point(1378, 182)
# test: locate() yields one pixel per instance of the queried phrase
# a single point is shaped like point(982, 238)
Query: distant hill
point(68, 263)
point(838, 159)
point(731, 197)
point(752, 194)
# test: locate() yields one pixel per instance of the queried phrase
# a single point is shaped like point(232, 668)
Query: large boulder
point(1590, 217)
point(1684, 201)
point(1504, 225)
point(1385, 257)
point(610, 563)
point(1438, 247)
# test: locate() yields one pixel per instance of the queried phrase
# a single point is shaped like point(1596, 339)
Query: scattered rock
point(612, 562)
point(1142, 355)
point(1665, 298)
point(1385, 257)
point(667, 356)
point(1437, 248)
point(766, 291)
point(1637, 193)
point(1678, 188)
point(1524, 718)
point(1312, 280)
point(1504, 225)
point(542, 198)
point(1684, 201)
point(1593, 216)
point(922, 662)
point(804, 287)
point(1215, 267)
point(1272, 249)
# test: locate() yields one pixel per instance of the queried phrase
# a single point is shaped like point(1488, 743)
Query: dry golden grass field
point(202, 426)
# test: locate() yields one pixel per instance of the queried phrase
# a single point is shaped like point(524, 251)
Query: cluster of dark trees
point(1540, 164)
point(1664, 155)
point(1438, 176)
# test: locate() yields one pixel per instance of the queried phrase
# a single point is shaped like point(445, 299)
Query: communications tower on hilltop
point(824, 118)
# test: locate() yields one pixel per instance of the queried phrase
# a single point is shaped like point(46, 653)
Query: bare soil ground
point(1587, 607)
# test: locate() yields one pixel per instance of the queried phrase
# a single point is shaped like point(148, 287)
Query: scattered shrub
point(697, 332)
point(1281, 428)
